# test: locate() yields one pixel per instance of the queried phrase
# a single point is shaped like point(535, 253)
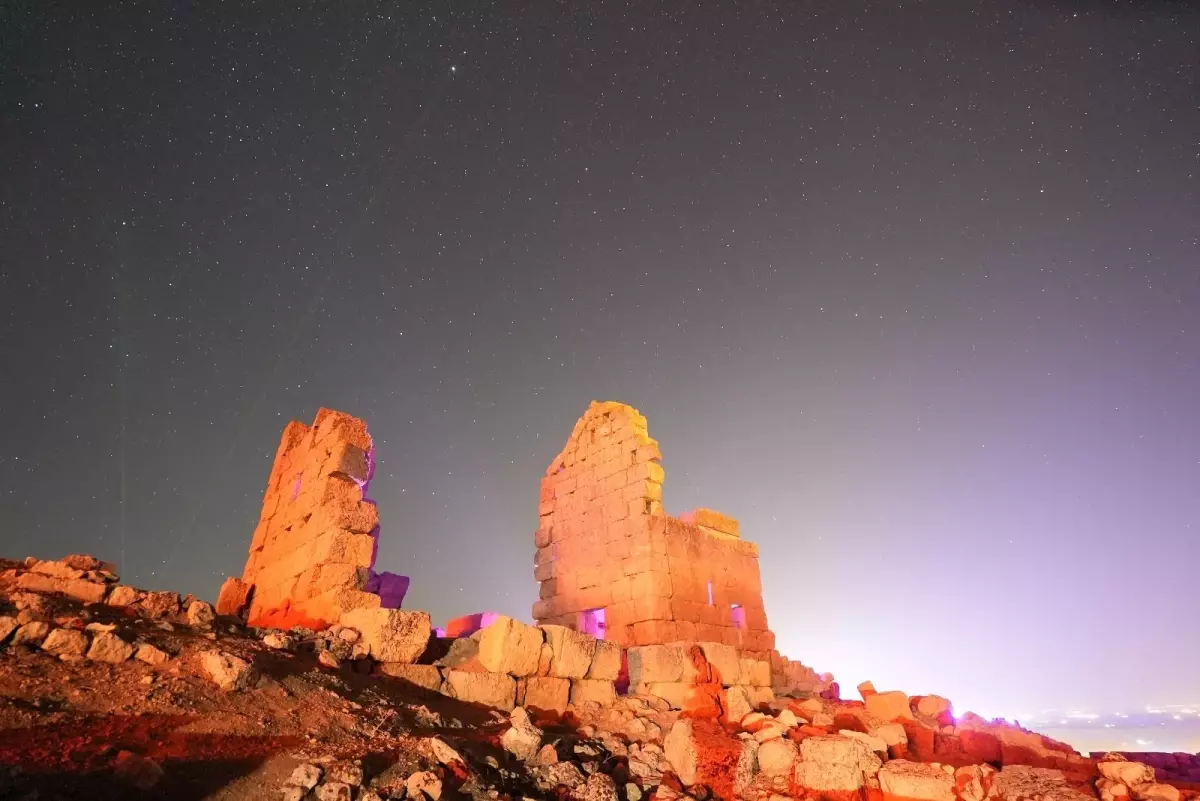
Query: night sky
point(913, 290)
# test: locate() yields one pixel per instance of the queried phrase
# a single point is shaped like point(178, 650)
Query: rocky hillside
point(107, 691)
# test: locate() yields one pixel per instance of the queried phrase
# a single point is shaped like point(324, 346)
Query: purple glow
point(591, 621)
point(390, 587)
point(739, 616)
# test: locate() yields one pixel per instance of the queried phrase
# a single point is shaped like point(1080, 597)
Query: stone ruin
point(610, 562)
point(313, 552)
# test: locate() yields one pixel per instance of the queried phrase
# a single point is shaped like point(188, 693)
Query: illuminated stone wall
point(312, 552)
point(611, 562)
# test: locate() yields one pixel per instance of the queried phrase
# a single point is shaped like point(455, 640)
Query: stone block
point(510, 646)
point(572, 652)
point(656, 663)
point(725, 662)
point(916, 781)
point(497, 690)
point(835, 764)
point(428, 677)
point(544, 693)
point(606, 664)
point(233, 600)
point(889, 706)
point(391, 635)
point(601, 692)
point(756, 672)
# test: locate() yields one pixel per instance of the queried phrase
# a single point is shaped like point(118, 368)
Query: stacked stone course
point(607, 551)
point(313, 549)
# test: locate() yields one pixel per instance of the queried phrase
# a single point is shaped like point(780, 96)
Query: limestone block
point(391, 635)
point(108, 647)
point(544, 693)
point(725, 662)
point(889, 706)
point(1018, 782)
point(572, 652)
point(606, 664)
point(1125, 772)
point(777, 757)
point(656, 663)
point(735, 703)
point(227, 671)
point(756, 672)
point(497, 690)
point(510, 646)
point(427, 676)
point(679, 747)
point(916, 781)
point(598, 690)
point(65, 642)
point(830, 764)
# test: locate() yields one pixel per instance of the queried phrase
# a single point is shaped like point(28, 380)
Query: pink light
point(591, 621)
point(739, 616)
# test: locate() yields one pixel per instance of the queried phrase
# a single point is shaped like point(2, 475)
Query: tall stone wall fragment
point(313, 549)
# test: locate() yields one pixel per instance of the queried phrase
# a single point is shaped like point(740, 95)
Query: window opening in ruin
point(296, 486)
point(591, 621)
point(739, 616)
point(710, 603)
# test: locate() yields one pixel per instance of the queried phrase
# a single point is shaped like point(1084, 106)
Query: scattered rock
point(229, 672)
point(200, 613)
point(346, 772)
point(835, 764)
point(108, 647)
point(333, 791)
point(122, 595)
point(598, 787)
point(522, 739)
point(65, 643)
point(889, 706)
point(680, 748)
point(327, 659)
point(306, 776)
point(150, 654)
point(31, 634)
point(159, 604)
point(7, 626)
point(278, 641)
point(424, 784)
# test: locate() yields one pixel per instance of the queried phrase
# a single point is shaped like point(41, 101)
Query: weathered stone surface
point(835, 764)
point(1154, 791)
point(305, 776)
point(200, 613)
point(598, 787)
point(333, 791)
point(680, 750)
point(889, 706)
point(601, 692)
point(652, 664)
point(122, 595)
point(65, 643)
point(424, 784)
point(108, 647)
point(31, 633)
point(777, 757)
point(1023, 783)
point(917, 781)
point(159, 604)
point(571, 653)
point(1123, 771)
point(510, 646)
point(391, 635)
point(735, 703)
point(522, 739)
point(756, 672)
point(935, 706)
point(973, 782)
point(725, 662)
point(497, 690)
point(227, 671)
point(427, 676)
point(545, 694)
point(151, 655)
point(606, 664)
point(234, 598)
point(876, 744)
point(7, 626)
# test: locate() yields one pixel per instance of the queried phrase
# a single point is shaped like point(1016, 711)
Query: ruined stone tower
point(612, 563)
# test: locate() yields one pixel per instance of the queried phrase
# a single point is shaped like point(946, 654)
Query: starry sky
point(911, 289)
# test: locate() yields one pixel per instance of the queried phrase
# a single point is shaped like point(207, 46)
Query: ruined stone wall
point(312, 552)
point(611, 562)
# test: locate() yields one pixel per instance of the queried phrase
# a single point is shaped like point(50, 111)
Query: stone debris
point(150, 654)
point(200, 613)
point(227, 671)
point(66, 643)
point(305, 776)
point(424, 784)
point(108, 647)
point(523, 739)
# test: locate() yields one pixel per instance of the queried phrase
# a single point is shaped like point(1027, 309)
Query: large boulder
point(571, 652)
point(66, 643)
point(836, 764)
point(916, 780)
point(1117, 768)
point(108, 647)
point(391, 635)
point(510, 646)
point(497, 690)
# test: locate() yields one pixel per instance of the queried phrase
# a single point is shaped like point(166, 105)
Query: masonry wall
point(607, 551)
point(312, 551)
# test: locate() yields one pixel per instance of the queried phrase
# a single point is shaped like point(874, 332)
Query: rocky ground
point(107, 691)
